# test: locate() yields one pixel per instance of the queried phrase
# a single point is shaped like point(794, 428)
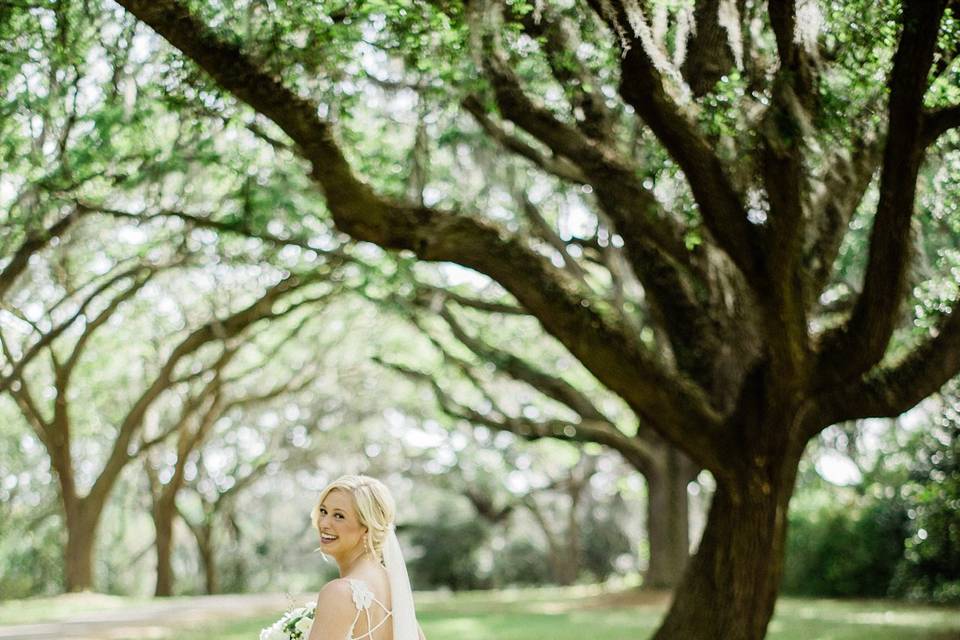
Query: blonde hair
point(375, 507)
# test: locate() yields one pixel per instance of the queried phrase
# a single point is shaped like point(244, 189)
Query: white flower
point(273, 632)
point(303, 626)
point(277, 634)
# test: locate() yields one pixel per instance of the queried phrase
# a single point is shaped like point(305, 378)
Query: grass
point(588, 613)
point(556, 614)
point(63, 607)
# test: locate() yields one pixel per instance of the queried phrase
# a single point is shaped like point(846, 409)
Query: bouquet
point(293, 625)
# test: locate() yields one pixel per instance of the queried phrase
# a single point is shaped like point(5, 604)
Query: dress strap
point(363, 599)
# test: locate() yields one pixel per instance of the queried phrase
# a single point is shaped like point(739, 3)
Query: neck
point(349, 561)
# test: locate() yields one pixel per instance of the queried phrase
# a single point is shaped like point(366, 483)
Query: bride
point(371, 600)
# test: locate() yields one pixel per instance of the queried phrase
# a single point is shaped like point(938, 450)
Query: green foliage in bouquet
point(293, 625)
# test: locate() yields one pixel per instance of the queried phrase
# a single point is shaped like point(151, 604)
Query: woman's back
point(373, 617)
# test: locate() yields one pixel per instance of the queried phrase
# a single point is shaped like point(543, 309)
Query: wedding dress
point(403, 614)
point(364, 600)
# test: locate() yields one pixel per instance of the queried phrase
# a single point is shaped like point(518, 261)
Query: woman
point(371, 600)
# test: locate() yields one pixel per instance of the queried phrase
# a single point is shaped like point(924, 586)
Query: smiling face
point(341, 534)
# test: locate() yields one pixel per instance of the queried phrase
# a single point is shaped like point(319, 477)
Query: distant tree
point(221, 394)
point(930, 568)
point(666, 470)
point(54, 425)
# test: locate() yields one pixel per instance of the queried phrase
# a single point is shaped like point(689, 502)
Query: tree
point(55, 425)
point(773, 135)
point(667, 472)
point(198, 415)
point(557, 492)
point(214, 506)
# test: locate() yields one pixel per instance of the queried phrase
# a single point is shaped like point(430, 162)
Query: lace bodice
point(364, 600)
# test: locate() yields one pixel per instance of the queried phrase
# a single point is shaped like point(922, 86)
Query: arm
point(333, 619)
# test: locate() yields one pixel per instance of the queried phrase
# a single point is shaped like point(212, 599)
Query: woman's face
point(341, 533)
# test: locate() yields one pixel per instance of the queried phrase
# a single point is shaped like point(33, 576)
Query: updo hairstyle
point(375, 507)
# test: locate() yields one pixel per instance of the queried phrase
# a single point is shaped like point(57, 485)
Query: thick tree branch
point(938, 122)
point(709, 55)
point(797, 65)
point(519, 369)
point(721, 207)
point(34, 242)
point(661, 397)
point(218, 329)
point(890, 390)
point(239, 227)
point(65, 372)
point(785, 127)
point(233, 70)
point(654, 244)
point(639, 218)
point(429, 295)
point(47, 338)
point(859, 344)
point(545, 231)
point(553, 164)
point(845, 182)
point(585, 431)
point(560, 44)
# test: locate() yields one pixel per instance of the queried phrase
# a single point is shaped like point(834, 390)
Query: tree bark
point(211, 579)
point(163, 514)
point(668, 531)
point(730, 585)
point(79, 552)
point(203, 534)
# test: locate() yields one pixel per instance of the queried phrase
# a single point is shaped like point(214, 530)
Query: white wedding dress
point(364, 600)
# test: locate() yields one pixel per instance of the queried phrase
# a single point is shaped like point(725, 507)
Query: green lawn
point(62, 607)
point(571, 615)
point(579, 613)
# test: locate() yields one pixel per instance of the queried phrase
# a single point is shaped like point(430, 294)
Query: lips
point(326, 538)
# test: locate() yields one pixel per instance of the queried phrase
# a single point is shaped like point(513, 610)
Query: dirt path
point(153, 620)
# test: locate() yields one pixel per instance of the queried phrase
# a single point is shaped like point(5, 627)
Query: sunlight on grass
point(64, 607)
point(575, 616)
point(564, 614)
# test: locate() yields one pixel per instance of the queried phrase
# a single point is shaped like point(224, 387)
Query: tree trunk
point(566, 564)
point(82, 518)
point(668, 521)
point(163, 514)
point(208, 558)
point(730, 586)
point(78, 559)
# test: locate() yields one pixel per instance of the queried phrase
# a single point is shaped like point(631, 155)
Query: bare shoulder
point(336, 594)
point(335, 611)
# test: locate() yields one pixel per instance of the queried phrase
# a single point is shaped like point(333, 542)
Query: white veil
point(401, 596)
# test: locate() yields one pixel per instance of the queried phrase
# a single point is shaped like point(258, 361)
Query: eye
point(323, 511)
point(339, 515)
